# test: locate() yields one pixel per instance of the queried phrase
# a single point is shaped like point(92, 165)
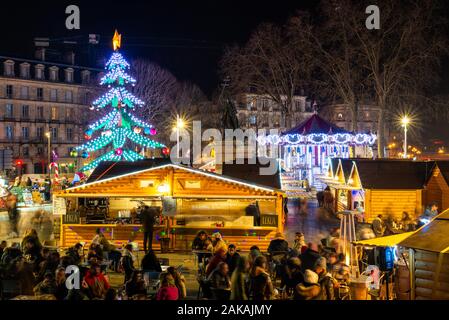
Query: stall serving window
point(233, 213)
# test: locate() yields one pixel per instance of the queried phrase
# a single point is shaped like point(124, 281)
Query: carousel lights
point(319, 139)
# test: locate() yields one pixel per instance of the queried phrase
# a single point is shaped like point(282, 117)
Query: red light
point(19, 162)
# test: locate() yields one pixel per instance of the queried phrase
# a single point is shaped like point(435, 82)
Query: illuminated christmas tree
point(119, 125)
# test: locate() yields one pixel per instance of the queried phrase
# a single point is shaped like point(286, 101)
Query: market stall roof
point(444, 168)
point(432, 237)
point(347, 165)
point(388, 241)
point(251, 172)
point(109, 169)
point(316, 125)
point(183, 181)
point(393, 174)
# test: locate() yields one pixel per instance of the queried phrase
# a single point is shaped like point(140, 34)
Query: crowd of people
point(42, 271)
point(300, 271)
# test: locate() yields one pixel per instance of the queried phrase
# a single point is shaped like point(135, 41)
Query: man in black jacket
point(148, 218)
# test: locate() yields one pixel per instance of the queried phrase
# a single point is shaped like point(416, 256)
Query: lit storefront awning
point(388, 241)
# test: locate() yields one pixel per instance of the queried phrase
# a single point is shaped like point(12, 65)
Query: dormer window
point(9, 68)
point(69, 75)
point(54, 71)
point(39, 72)
point(85, 76)
point(25, 70)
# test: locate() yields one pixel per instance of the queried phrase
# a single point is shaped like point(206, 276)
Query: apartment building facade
point(261, 112)
point(43, 104)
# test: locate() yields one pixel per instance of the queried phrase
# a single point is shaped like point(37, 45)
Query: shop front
point(190, 200)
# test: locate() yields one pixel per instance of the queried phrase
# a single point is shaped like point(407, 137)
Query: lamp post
point(405, 122)
point(48, 135)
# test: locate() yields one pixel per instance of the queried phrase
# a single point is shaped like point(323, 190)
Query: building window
point(9, 68)
point(40, 112)
point(340, 116)
point(69, 96)
point(40, 132)
point(69, 75)
point(54, 73)
point(9, 91)
point(40, 94)
point(9, 132)
point(24, 92)
point(87, 98)
point(85, 76)
point(25, 132)
point(54, 113)
point(53, 94)
point(69, 134)
point(25, 111)
point(25, 70)
point(68, 113)
point(39, 72)
point(40, 150)
point(9, 110)
point(26, 151)
point(54, 133)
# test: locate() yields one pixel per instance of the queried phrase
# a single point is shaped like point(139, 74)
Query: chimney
point(41, 45)
point(69, 52)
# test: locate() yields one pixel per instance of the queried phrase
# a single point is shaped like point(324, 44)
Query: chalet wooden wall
point(437, 190)
point(426, 288)
point(392, 202)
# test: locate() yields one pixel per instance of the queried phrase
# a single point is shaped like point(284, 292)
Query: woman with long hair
point(239, 279)
point(261, 287)
point(180, 282)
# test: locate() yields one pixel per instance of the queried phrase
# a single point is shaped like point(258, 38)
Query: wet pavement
point(314, 222)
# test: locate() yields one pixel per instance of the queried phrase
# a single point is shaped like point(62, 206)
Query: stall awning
point(388, 241)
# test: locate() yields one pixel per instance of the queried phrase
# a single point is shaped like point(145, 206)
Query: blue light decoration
point(117, 126)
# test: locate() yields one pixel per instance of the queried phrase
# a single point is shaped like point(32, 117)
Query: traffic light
point(19, 162)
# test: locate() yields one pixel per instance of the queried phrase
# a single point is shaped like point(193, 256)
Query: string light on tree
point(119, 125)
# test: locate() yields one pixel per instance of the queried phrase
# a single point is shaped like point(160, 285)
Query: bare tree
point(401, 58)
point(156, 86)
point(269, 64)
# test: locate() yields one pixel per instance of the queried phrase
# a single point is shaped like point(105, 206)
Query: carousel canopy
point(315, 125)
point(317, 131)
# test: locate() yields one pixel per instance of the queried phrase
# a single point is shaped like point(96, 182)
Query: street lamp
point(48, 135)
point(405, 121)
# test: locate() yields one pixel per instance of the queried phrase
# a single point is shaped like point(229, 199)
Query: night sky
point(186, 37)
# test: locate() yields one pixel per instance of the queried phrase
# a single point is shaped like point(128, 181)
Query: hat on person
point(310, 277)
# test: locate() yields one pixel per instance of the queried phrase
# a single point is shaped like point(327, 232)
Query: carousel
point(306, 149)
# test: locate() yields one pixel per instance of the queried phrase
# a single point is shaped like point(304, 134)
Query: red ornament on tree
point(153, 131)
point(87, 137)
point(118, 151)
point(166, 151)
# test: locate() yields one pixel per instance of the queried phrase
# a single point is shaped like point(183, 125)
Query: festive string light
point(318, 139)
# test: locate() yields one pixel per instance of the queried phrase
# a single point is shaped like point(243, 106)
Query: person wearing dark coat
point(127, 262)
point(278, 244)
point(150, 262)
point(148, 219)
point(309, 257)
point(232, 258)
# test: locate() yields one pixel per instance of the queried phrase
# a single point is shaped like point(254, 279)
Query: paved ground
point(315, 223)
